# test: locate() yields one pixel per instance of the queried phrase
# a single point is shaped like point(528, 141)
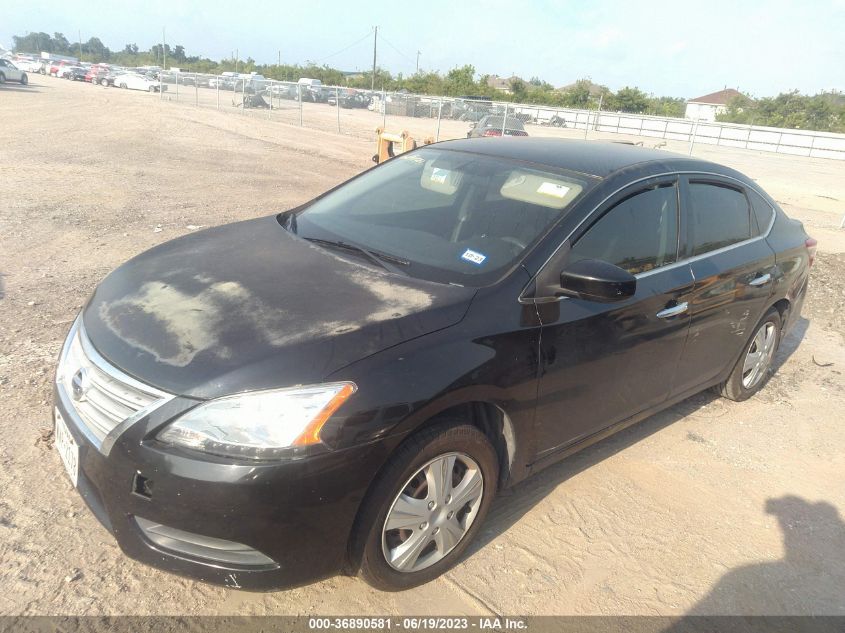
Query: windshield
point(455, 217)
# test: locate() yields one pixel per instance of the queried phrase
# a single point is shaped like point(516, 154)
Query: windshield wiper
point(375, 256)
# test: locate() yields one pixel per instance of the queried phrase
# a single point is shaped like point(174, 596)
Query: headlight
point(258, 425)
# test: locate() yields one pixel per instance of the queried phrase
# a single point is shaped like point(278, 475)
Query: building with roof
point(706, 108)
point(502, 84)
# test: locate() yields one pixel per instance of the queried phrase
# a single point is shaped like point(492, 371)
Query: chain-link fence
point(357, 112)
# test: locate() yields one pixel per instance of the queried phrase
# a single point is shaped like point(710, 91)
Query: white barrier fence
point(424, 114)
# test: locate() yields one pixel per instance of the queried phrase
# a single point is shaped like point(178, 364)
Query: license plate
point(67, 448)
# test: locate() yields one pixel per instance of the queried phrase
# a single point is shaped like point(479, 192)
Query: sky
point(674, 48)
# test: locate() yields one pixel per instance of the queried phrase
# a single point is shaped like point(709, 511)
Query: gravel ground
point(709, 507)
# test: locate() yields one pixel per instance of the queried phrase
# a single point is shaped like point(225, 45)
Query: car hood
point(249, 306)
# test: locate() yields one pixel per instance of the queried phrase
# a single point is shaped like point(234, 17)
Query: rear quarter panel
point(787, 239)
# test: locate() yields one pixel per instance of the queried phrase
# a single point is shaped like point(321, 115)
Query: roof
point(717, 98)
point(596, 158)
point(501, 83)
point(594, 89)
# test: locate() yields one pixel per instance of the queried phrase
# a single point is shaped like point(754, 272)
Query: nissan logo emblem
point(80, 383)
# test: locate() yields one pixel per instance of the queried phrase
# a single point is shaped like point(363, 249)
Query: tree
point(577, 95)
point(96, 49)
point(628, 100)
point(179, 53)
point(460, 81)
point(60, 44)
point(518, 89)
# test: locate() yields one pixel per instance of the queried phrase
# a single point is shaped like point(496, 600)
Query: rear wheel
point(2, 78)
point(754, 365)
point(24, 79)
point(104, 83)
point(426, 507)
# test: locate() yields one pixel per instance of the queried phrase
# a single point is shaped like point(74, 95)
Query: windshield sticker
point(439, 175)
point(473, 257)
point(553, 189)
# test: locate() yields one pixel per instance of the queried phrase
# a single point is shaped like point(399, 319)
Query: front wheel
point(754, 365)
point(24, 79)
point(426, 507)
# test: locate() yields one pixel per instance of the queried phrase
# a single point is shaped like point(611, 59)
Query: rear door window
point(719, 216)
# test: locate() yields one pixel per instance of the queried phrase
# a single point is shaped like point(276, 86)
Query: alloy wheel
point(759, 355)
point(433, 512)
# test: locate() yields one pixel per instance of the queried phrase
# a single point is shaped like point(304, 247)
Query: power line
point(384, 39)
point(346, 48)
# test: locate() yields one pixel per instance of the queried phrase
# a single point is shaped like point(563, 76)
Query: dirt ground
point(710, 507)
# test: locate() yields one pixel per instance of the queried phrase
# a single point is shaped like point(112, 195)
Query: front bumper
point(298, 513)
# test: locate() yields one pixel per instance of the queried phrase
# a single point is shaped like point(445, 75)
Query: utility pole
point(280, 59)
point(79, 34)
point(418, 61)
point(237, 57)
point(375, 44)
point(163, 48)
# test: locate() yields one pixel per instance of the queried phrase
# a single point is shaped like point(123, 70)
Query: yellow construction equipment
point(389, 145)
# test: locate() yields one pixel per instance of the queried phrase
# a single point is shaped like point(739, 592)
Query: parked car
point(134, 81)
point(76, 73)
point(105, 77)
point(27, 65)
point(493, 124)
point(347, 385)
point(349, 98)
point(63, 68)
point(92, 72)
point(10, 72)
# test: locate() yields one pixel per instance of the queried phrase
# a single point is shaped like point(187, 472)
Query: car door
point(604, 362)
point(733, 267)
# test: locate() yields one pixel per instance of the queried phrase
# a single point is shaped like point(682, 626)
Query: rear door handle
point(672, 311)
point(762, 280)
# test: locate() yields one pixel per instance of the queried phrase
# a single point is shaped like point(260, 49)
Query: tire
point(104, 83)
point(744, 381)
point(437, 549)
point(123, 85)
point(152, 89)
point(2, 78)
point(24, 79)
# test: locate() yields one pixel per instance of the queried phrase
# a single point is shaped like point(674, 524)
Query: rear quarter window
point(762, 210)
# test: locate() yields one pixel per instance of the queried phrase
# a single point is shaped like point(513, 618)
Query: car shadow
point(7, 87)
point(808, 580)
point(790, 343)
point(513, 503)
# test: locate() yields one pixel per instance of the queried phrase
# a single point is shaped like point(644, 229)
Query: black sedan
point(77, 73)
point(344, 387)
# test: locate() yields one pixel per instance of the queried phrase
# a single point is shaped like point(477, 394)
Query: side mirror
point(596, 280)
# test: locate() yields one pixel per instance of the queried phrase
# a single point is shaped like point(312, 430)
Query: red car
point(56, 67)
point(94, 71)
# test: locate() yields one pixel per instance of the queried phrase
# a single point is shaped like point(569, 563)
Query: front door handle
point(762, 280)
point(673, 311)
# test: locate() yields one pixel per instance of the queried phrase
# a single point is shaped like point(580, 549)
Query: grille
point(101, 395)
